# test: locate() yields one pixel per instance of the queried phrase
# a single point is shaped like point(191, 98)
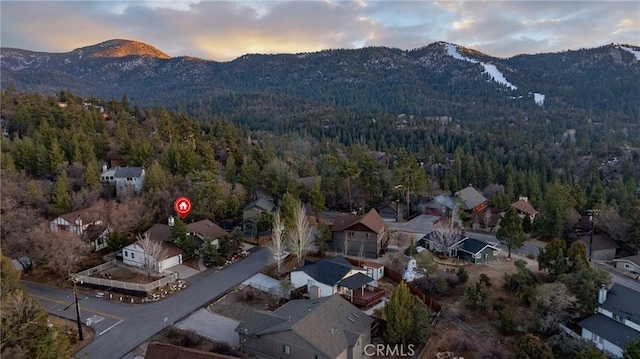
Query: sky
point(224, 30)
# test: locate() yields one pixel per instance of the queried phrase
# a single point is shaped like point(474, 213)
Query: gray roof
point(611, 330)
point(470, 197)
point(356, 281)
point(328, 271)
point(263, 204)
point(475, 246)
point(328, 324)
point(159, 232)
point(623, 301)
point(126, 172)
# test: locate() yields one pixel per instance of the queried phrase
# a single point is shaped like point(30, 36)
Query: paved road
point(125, 327)
point(617, 277)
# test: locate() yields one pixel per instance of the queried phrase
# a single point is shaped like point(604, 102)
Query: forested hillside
point(55, 145)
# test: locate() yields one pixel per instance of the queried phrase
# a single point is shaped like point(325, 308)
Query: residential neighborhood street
point(124, 327)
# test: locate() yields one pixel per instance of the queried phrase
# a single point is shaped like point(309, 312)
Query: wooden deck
point(365, 298)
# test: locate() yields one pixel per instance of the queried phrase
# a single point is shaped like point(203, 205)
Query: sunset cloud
point(222, 31)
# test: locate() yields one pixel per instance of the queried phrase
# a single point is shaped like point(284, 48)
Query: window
point(126, 254)
point(626, 265)
point(132, 255)
point(286, 349)
point(595, 338)
point(351, 234)
point(129, 178)
point(618, 318)
point(368, 235)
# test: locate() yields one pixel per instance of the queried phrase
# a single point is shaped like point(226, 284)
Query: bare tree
point(551, 304)
point(277, 245)
point(58, 251)
point(121, 216)
point(444, 236)
point(300, 238)
point(154, 253)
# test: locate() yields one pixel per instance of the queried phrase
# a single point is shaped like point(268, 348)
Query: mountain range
point(438, 79)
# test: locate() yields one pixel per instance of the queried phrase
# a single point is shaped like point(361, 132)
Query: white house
point(134, 255)
point(123, 177)
point(616, 322)
point(86, 224)
point(75, 222)
point(325, 275)
point(630, 264)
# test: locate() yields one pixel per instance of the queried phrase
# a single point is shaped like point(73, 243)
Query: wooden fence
point(84, 278)
point(430, 302)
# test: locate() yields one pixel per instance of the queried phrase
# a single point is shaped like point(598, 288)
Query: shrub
point(220, 348)
point(174, 332)
point(189, 338)
point(485, 279)
point(531, 256)
point(441, 285)
point(462, 274)
point(249, 295)
point(506, 322)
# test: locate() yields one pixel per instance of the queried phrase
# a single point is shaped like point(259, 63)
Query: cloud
point(224, 30)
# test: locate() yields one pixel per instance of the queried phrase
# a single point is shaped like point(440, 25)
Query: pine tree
point(91, 175)
point(155, 178)
point(61, 195)
point(317, 199)
point(25, 332)
point(511, 233)
point(178, 232)
point(399, 315)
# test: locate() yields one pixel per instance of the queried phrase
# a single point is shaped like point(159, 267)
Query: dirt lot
point(459, 327)
point(71, 328)
point(239, 302)
point(126, 275)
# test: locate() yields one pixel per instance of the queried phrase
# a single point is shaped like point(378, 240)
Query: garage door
point(170, 262)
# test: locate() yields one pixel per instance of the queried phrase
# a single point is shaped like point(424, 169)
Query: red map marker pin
point(182, 205)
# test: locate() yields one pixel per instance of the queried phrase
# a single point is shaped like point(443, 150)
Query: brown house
point(472, 200)
point(205, 231)
point(525, 208)
point(365, 236)
point(328, 328)
point(604, 247)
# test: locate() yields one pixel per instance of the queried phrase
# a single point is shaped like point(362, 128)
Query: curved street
point(120, 328)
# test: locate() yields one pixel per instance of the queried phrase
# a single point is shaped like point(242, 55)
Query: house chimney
point(602, 295)
point(524, 198)
point(170, 221)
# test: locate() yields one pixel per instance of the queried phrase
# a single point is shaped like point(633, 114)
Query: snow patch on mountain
point(492, 70)
point(633, 51)
point(538, 98)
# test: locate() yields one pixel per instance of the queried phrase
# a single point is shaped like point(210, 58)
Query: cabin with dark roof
point(616, 322)
point(328, 327)
point(477, 251)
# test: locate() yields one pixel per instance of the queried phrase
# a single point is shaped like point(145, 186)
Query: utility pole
point(78, 320)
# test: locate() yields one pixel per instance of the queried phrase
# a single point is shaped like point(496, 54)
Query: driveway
point(184, 271)
point(132, 325)
point(212, 326)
